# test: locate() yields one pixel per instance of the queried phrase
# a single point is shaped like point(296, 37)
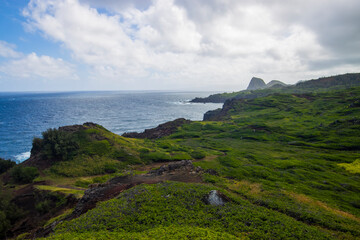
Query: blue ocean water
point(24, 116)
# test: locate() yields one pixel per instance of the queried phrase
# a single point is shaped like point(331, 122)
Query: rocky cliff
point(256, 83)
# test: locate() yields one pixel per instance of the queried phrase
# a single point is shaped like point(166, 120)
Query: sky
point(210, 45)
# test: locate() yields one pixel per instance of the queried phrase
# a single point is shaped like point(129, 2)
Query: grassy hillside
point(288, 163)
point(90, 149)
point(148, 210)
point(317, 85)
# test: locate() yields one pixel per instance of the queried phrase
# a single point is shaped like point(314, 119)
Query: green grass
point(99, 151)
point(171, 232)
point(63, 190)
point(289, 142)
point(179, 205)
point(353, 167)
point(289, 162)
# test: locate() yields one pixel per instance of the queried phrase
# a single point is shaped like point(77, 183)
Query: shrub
point(180, 156)
point(197, 154)
point(110, 168)
point(24, 175)
point(155, 157)
point(36, 145)
point(6, 165)
point(57, 144)
point(4, 224)
point(9, 212)
point(44, 206)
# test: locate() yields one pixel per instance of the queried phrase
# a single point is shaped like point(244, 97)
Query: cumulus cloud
point(213, 43)
point(8, 50)
point(33, 65)
point(21, 66)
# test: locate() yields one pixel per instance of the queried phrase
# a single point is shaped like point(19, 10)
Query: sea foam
point(22, 156)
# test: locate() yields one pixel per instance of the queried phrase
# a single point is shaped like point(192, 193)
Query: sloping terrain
point(316, 85)
point(285, 166)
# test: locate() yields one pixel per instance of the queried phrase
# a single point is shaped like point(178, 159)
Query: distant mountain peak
point(256, 83)
point(275, 83)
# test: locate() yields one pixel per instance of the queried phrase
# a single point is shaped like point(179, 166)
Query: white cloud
point(35, 67)
point(165, 27)
point(191, 44)
point(7, 50)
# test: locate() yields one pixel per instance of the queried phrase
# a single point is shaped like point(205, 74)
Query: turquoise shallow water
point(24, 116)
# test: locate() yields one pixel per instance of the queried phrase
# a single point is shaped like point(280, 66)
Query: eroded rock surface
point(183, 171)
point(162, 130)
point(216, 198)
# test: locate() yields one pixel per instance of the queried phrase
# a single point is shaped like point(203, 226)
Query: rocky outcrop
point(256, 83)
point(221, 113)
point(162, 130)
point(183, 165)
point(38, 206)
point(216, 198)
point(100, 192)
point(212, 114)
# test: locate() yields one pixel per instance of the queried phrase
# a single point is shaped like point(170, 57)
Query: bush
point(155, 157)
point(197, 154)
point(4, 224)
point(24, 175)
point(110, 168)
point(36, 146)
point(6, 165)
point(44, 206)
point(9, 212)
point(57, 144)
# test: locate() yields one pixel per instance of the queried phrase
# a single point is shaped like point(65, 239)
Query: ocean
point(24, 116)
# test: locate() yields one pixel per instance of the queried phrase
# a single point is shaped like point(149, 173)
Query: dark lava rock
point(212, 114)
point(212, 172)
point(183, 165)
point(162, 130)
point(101, 192)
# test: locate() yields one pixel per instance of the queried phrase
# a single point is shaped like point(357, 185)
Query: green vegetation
point(353, 167)
point(92, 150)
point(172, 232)
point(65, 191)
point(9, 213)
point(289, 142)
point(318, 85)
point(6, 165)
point(288, 162)
point(55, 144)
point(180, 206)
point(24, 175)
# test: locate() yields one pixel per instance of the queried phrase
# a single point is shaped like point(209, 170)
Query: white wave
point(22, 156)
point(181, 103)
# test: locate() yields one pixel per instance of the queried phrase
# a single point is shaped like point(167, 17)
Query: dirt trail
point(182, 171)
